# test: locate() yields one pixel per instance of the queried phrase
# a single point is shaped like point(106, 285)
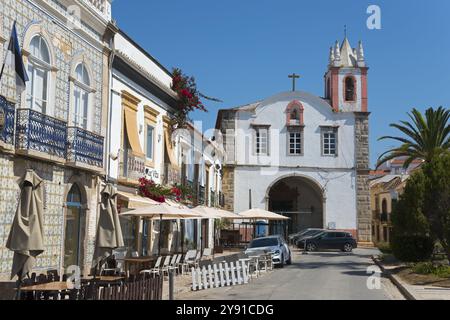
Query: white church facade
point(304, 156)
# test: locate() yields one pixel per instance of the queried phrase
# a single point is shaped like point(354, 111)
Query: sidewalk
point(412, 292)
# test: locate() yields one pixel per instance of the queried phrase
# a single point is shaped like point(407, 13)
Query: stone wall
point(362, 177)
point(228, 187)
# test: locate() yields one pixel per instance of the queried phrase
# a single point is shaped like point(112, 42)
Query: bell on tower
point(346, 78)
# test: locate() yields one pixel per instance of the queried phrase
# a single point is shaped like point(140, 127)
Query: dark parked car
point(306, 233)
point(330, 240)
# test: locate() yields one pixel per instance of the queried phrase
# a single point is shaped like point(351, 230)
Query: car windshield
point(264, 242)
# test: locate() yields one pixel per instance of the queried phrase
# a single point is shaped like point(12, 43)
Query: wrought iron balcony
point(213, 199)
point(172, 175)
point(40, 134)
point(201, 195)
point(7, 115)
point(84, 147)
point(131, 167)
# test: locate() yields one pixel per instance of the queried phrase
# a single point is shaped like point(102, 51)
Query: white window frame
point(326, 138)
point(84, 89)
point(296, 144)
point(260, 140)
point(36, 64)
point(147, 126)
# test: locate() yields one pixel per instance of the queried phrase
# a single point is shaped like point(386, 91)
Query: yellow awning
point(132, 132)
point(135, 201)
point(169, 148)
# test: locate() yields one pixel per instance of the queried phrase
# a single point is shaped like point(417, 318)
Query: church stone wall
point(228, 187)
point(362, 177)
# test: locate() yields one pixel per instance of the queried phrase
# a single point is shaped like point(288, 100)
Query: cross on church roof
point(294, 78)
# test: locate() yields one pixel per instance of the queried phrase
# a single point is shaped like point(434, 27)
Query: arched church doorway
point(300, 199)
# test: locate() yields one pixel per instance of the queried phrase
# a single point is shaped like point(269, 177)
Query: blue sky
point(242, 51)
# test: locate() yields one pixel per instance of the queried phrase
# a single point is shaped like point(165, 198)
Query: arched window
point(81, 96)
point(38, 72)
point(350, 89)
point(295, 115)
point(73, 227)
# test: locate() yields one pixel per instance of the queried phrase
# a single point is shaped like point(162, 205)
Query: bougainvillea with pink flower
point(149, 189)
point(188, 97)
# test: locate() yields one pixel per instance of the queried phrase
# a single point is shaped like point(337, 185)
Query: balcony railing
point(213, 199)
point(221, 199)
point(7, 115)
point(172, 175)
point(84, 147)
point(36, 131)
point(201, 195)
point(131, 167)
point(103, 7)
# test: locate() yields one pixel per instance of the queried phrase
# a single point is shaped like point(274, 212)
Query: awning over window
point(132, 132)
point(135, 201)
point(169, 148)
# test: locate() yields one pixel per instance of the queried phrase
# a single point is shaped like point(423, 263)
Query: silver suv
point(281, 254)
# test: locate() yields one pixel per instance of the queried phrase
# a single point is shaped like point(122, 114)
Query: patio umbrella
point(163, 211)
point(260, 214)
point(26, 235)
point(109, 232)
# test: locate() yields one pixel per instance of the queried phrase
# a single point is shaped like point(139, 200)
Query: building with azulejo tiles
point(57, 127)
point(97, 109)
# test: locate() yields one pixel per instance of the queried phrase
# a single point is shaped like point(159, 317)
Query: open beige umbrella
point(26, 235)
point(163, 211)
point(109, 232)
point(261, 214)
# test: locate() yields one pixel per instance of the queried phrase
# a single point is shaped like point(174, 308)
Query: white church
point(305, 156)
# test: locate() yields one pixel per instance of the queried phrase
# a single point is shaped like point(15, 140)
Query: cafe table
point(138, 263)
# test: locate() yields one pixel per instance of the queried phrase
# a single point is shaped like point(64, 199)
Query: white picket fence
point(236, 273)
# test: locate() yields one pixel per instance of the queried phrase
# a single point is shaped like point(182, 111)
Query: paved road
point(327, 275)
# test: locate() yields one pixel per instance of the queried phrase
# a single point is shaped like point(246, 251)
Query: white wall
point(317, 113)
point(335, 174)
point(339, 192)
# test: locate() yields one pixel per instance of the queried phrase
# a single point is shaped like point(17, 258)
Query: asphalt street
point(316, 276)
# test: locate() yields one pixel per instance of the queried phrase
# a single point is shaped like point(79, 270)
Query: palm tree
point(425, 137)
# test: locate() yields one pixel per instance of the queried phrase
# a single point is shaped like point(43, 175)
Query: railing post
point(171, 284)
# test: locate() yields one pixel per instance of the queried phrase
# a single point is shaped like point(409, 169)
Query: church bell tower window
point(350, 89)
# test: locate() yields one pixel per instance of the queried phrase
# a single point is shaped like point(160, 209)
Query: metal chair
point(156, 268)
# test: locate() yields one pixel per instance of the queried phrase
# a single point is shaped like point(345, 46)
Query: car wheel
point(348, 247)
point(282, 261)
point(311, 247)
point(289, 262)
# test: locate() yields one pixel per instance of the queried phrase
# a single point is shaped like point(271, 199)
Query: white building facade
point(142, 144)
point(304, 156)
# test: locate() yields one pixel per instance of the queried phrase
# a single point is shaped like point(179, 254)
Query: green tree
point(423, 137)
point(411, 240)
point(437, 198)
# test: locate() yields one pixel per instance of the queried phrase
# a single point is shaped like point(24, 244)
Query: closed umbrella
point(109, 233)
point(26, 235)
